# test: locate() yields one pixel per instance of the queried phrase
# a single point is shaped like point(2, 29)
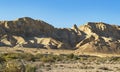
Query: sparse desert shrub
point(48, 68)
point(102, 60)
point(38, 56)
point(11, 56)
point(2, 60)
point(114, 58)
point(105, 68)
point(70, 56)
point(76, 57)
point(64, 57)
point(47, 59)
point(93, 59)
point(83, 58)
point(18, 66)
point(28, 57)
point(86, 67)
point(14, 66)
point(29, 68)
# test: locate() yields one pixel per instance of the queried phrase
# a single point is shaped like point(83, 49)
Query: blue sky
point(62, 13)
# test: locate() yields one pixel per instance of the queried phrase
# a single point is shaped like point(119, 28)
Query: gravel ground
point(78, 67)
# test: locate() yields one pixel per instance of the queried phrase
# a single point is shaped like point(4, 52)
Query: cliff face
point(100, 37)
point(92, 37)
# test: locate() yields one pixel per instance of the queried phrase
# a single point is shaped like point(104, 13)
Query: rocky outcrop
point(26, 32)
point(100, 37)
point(26, 27)
point(91, 37)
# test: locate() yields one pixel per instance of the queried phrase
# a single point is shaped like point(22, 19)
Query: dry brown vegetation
point(24, 61)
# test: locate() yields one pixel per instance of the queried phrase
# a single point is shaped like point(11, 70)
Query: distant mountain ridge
point(91, 37)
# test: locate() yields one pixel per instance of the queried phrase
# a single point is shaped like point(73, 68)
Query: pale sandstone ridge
point(100, 37)
point(92, 37)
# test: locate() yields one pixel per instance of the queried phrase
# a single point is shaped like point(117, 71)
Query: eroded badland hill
point(93, 37)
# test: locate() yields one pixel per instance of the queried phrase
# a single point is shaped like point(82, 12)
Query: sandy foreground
point(67, 66)
point(80, 67)
point(51, 51)
point(35, 50)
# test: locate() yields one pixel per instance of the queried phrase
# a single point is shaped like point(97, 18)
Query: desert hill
point(91, 37)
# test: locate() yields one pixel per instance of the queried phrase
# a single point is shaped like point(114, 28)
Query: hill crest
point(91, 37)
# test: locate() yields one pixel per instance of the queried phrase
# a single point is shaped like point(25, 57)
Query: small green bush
point(29, 68)
point(11, 56)
point(47, 59)
point(2, 60)
point(29, 57)
point(115, 59)
point(14, 66)
point(70, 56)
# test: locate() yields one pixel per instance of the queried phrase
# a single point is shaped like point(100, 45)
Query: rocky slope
point(91, 37)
